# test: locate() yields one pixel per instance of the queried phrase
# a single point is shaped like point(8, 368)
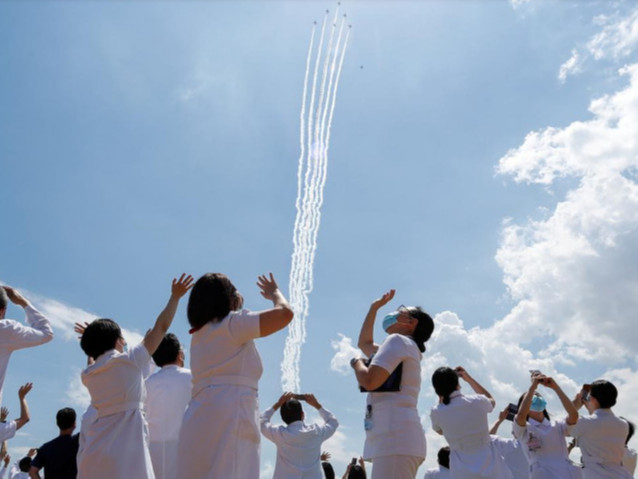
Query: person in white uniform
point(463, 422)
point(116, 443)
point(395, 440)
point(443, 469)
point(629, 457)
point(8, 429)
point(510, 448)
point(15, 335)
point(168, 392)
point(601, 435)
point(298, 444)
point(220, 432)
point(543, 439)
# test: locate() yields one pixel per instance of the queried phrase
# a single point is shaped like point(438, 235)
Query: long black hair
point(445, 381)
point(424, 327)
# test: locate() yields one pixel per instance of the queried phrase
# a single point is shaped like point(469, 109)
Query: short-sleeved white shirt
point(513, 455)
point(226, 350)
point(168, 392)
point(7, 430)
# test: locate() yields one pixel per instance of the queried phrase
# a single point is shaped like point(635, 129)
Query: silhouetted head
point(445, 381)
point(357, 472)
point(168, 352)
point(604, 392)
point(65, 418)
point(25, 464)
point(99, 337)
point(291, 411)
point(443, 457)
point(213, 296)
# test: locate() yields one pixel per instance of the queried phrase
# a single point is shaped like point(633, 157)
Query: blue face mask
point(538, 404)
point(389, 320)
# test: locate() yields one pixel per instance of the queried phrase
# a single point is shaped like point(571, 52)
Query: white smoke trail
point(316, 115)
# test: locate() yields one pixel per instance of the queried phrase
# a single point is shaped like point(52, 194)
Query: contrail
point(317, 110)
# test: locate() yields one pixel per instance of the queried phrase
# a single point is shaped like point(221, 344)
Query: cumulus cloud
point(345, 351)
point(616, 40)
point(76, 393)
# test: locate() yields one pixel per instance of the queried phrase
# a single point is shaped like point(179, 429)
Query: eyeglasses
point(402, 309)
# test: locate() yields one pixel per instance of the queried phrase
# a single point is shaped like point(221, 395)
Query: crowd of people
point(204, 422)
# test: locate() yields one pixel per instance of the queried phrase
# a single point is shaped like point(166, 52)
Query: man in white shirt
point(298, 444)
point(168, 392)
point(443, 471)
point(601, 435)
point(13, 334)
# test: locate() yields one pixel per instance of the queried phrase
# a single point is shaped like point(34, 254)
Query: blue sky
point(139, 140)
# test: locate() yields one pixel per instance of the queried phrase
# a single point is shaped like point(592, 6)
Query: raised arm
point(501, 417)
point(178, 289)
point(570, 409)
point(277, 318)
point(24, 407)
point(38, 330)
point(366, 335)
point(474, 384)
point(526, 403)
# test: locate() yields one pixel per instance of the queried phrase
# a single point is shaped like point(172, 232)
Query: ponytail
point(424, 327)
point(445, 381)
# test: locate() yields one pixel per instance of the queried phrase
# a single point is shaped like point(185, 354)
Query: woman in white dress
point(220, 431)
point(463, 421)
point(116, 443)
point(543, 439)
point(395, 440)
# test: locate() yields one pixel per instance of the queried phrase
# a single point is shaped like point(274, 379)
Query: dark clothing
point(57, 457)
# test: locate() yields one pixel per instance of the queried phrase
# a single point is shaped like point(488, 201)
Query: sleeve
point(435, 424)
point(243, 325)
point(139, 355)
point(331, 423)
point(267, 429)
point(503, 446)
point(7, 430)
point(519, 431)
point(577, 430)
point(562, 426)
point(3, 471)
point(18, 336)
point(483, 403)
point(390, 353)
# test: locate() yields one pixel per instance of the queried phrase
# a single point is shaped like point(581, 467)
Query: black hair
point(25, 464)
point(357, 472)
point(213, 296)
point(518, 406)
point(604, 392)
point(291, 411)
point(65, 418)
point(328, 471)
point(443, 457)
point(424, 327)
point(168, 350)
point(445, 381)
point(632, 429)
point(99, 337)
point(4, 299)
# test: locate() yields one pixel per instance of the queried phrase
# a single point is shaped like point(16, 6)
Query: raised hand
point(325, 456)
point(312, 400)
point(383, 300)
point(463, 374)
point(267, 285)
point(24, 390)
point(282, 400)
point(181, 286)
point(7, 460)
point(4, 413)
point(80, 328)
point(32, 452)
point(16, 297)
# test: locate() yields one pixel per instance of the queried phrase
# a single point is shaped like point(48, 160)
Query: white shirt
point(298, 445)
point(168, 392)
point(15, 335)
point(601, 437)
point(7, 430)
point(629, 460)
point(225, 353)
point(439, 472)
point(513, 455)
point(463, 422)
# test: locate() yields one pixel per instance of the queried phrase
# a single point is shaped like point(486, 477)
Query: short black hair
point(357, 472)
point(99, 337)
point(604, 392)
point(291, 411)
point(25, 464)
point(4, 299)
point(424, 327)
point(213, 296)
point(167, 351)
point(443, 457)
point(328, 471)
point(445, 381)
point(65, 418)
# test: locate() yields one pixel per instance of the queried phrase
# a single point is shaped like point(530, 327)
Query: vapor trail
point(317, 110)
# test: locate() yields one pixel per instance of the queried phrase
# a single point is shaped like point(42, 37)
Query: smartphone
point(354, 461)
point(512, 409)
point(585, 392)
point(299, 397)
point(534, 372)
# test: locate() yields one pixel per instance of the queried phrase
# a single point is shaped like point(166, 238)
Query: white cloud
point(345, 351)
point(342, 448)
point(267, 470)
point(616, 40)
point(519, 3)
point(76, 393)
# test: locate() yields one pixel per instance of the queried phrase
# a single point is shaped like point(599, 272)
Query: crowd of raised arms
point(151, 418)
